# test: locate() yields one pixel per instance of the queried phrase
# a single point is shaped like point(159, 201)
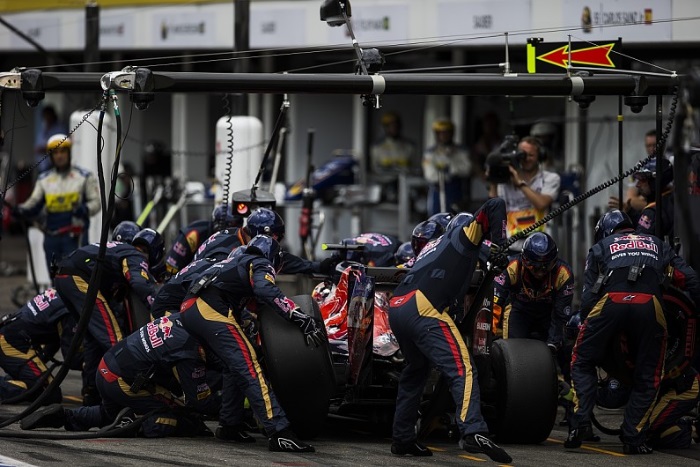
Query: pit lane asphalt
point(343, 442)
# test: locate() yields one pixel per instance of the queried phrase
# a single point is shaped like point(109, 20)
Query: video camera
point(506, 155)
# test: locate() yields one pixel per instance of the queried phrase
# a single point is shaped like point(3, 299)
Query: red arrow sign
point(598, 55)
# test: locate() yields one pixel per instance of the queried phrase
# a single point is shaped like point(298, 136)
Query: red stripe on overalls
point(454, 348)
point(398, 301)
point(187, 304)
point(244, 348)
point(108, 323)
point(106, 372)
point(35, 369)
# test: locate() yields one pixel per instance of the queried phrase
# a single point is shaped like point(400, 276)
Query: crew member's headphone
point(541, 149)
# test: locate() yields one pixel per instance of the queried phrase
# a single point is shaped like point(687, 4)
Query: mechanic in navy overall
point(126, 267)
point(69, 196)
point(211, 312)
point(646, 184)
point(145, 372)
point(428, 336)
point(535, 291)
point(28, 339)
point(623, 290)
point(263, 221)
point(190, 238)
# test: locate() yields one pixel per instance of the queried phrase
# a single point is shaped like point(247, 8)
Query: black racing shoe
point(480, 444)
point(577, 435)
point(125, 418)
point(638, 449)
point(286, 441)
point(91, 396)
point(235, 433)
point(53, 416)
point(413, 448)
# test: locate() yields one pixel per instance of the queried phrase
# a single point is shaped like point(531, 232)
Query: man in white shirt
point(530, 191)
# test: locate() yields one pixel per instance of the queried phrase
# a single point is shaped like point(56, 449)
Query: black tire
point(301, 376)
point(526, 381)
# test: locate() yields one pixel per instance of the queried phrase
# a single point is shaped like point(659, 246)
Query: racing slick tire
point(526, 381)
point(301, 376)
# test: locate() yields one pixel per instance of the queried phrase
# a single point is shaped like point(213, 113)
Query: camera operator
point(516, 175)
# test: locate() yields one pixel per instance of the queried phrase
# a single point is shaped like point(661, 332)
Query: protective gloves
point(498, 257)
point(312, 333)
point(81, 211)
point(327, 266)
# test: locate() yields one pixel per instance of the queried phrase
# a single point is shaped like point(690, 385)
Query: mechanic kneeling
point(143, 373)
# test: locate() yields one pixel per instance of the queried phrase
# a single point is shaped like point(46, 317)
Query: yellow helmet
point(443, 125)
point(389, 117)
point(56, 140)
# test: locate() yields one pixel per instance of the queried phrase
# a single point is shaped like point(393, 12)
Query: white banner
point(277, 27)
point(482, 22)
point(632, 20)
point(191, 30)
point(373, 24)
point(41, 28)
point(117, 28)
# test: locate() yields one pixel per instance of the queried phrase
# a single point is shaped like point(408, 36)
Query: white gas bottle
point(248, 150)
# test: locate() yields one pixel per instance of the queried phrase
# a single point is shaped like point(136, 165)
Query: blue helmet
point(648, 172)
point(125, 231)
point(223, 217)
point(540, 252)
point(610, 222)
point(460, 220)
point(236, 252)
point(264, 221)
point(404, 253)
point(265, 245)
point(442, 218)
point(153, 243)
point(423, 233)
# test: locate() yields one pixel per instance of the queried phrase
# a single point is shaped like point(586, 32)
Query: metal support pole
point(241, 44)
point(620, 162)
point(658, 226)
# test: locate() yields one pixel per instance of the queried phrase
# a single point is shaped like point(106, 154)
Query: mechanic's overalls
point(209, 319)
point(624, 308)
point(186, 244)
point(648, 218)
point(22, 365)
point(43, 321)
point(125, 268)
point(679, 397)
point(425, 331)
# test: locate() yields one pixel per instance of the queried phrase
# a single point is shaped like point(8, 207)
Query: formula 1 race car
point(517, 377)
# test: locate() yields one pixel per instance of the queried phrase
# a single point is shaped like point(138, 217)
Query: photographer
point(516, 175)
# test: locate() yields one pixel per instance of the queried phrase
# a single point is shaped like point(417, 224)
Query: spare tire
point(301, 376)
point(526, 382)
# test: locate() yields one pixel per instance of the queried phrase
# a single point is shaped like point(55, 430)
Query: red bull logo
point(634, 245)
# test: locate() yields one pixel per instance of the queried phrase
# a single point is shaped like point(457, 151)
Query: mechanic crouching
point(143, 375)
point(428, 336)
point(211, 312)
point(623, 291)
point(536, 290)
point(28, 339)
point(125, 267)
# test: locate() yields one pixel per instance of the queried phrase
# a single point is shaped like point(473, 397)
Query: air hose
point(96, 276)
point(229, 155)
